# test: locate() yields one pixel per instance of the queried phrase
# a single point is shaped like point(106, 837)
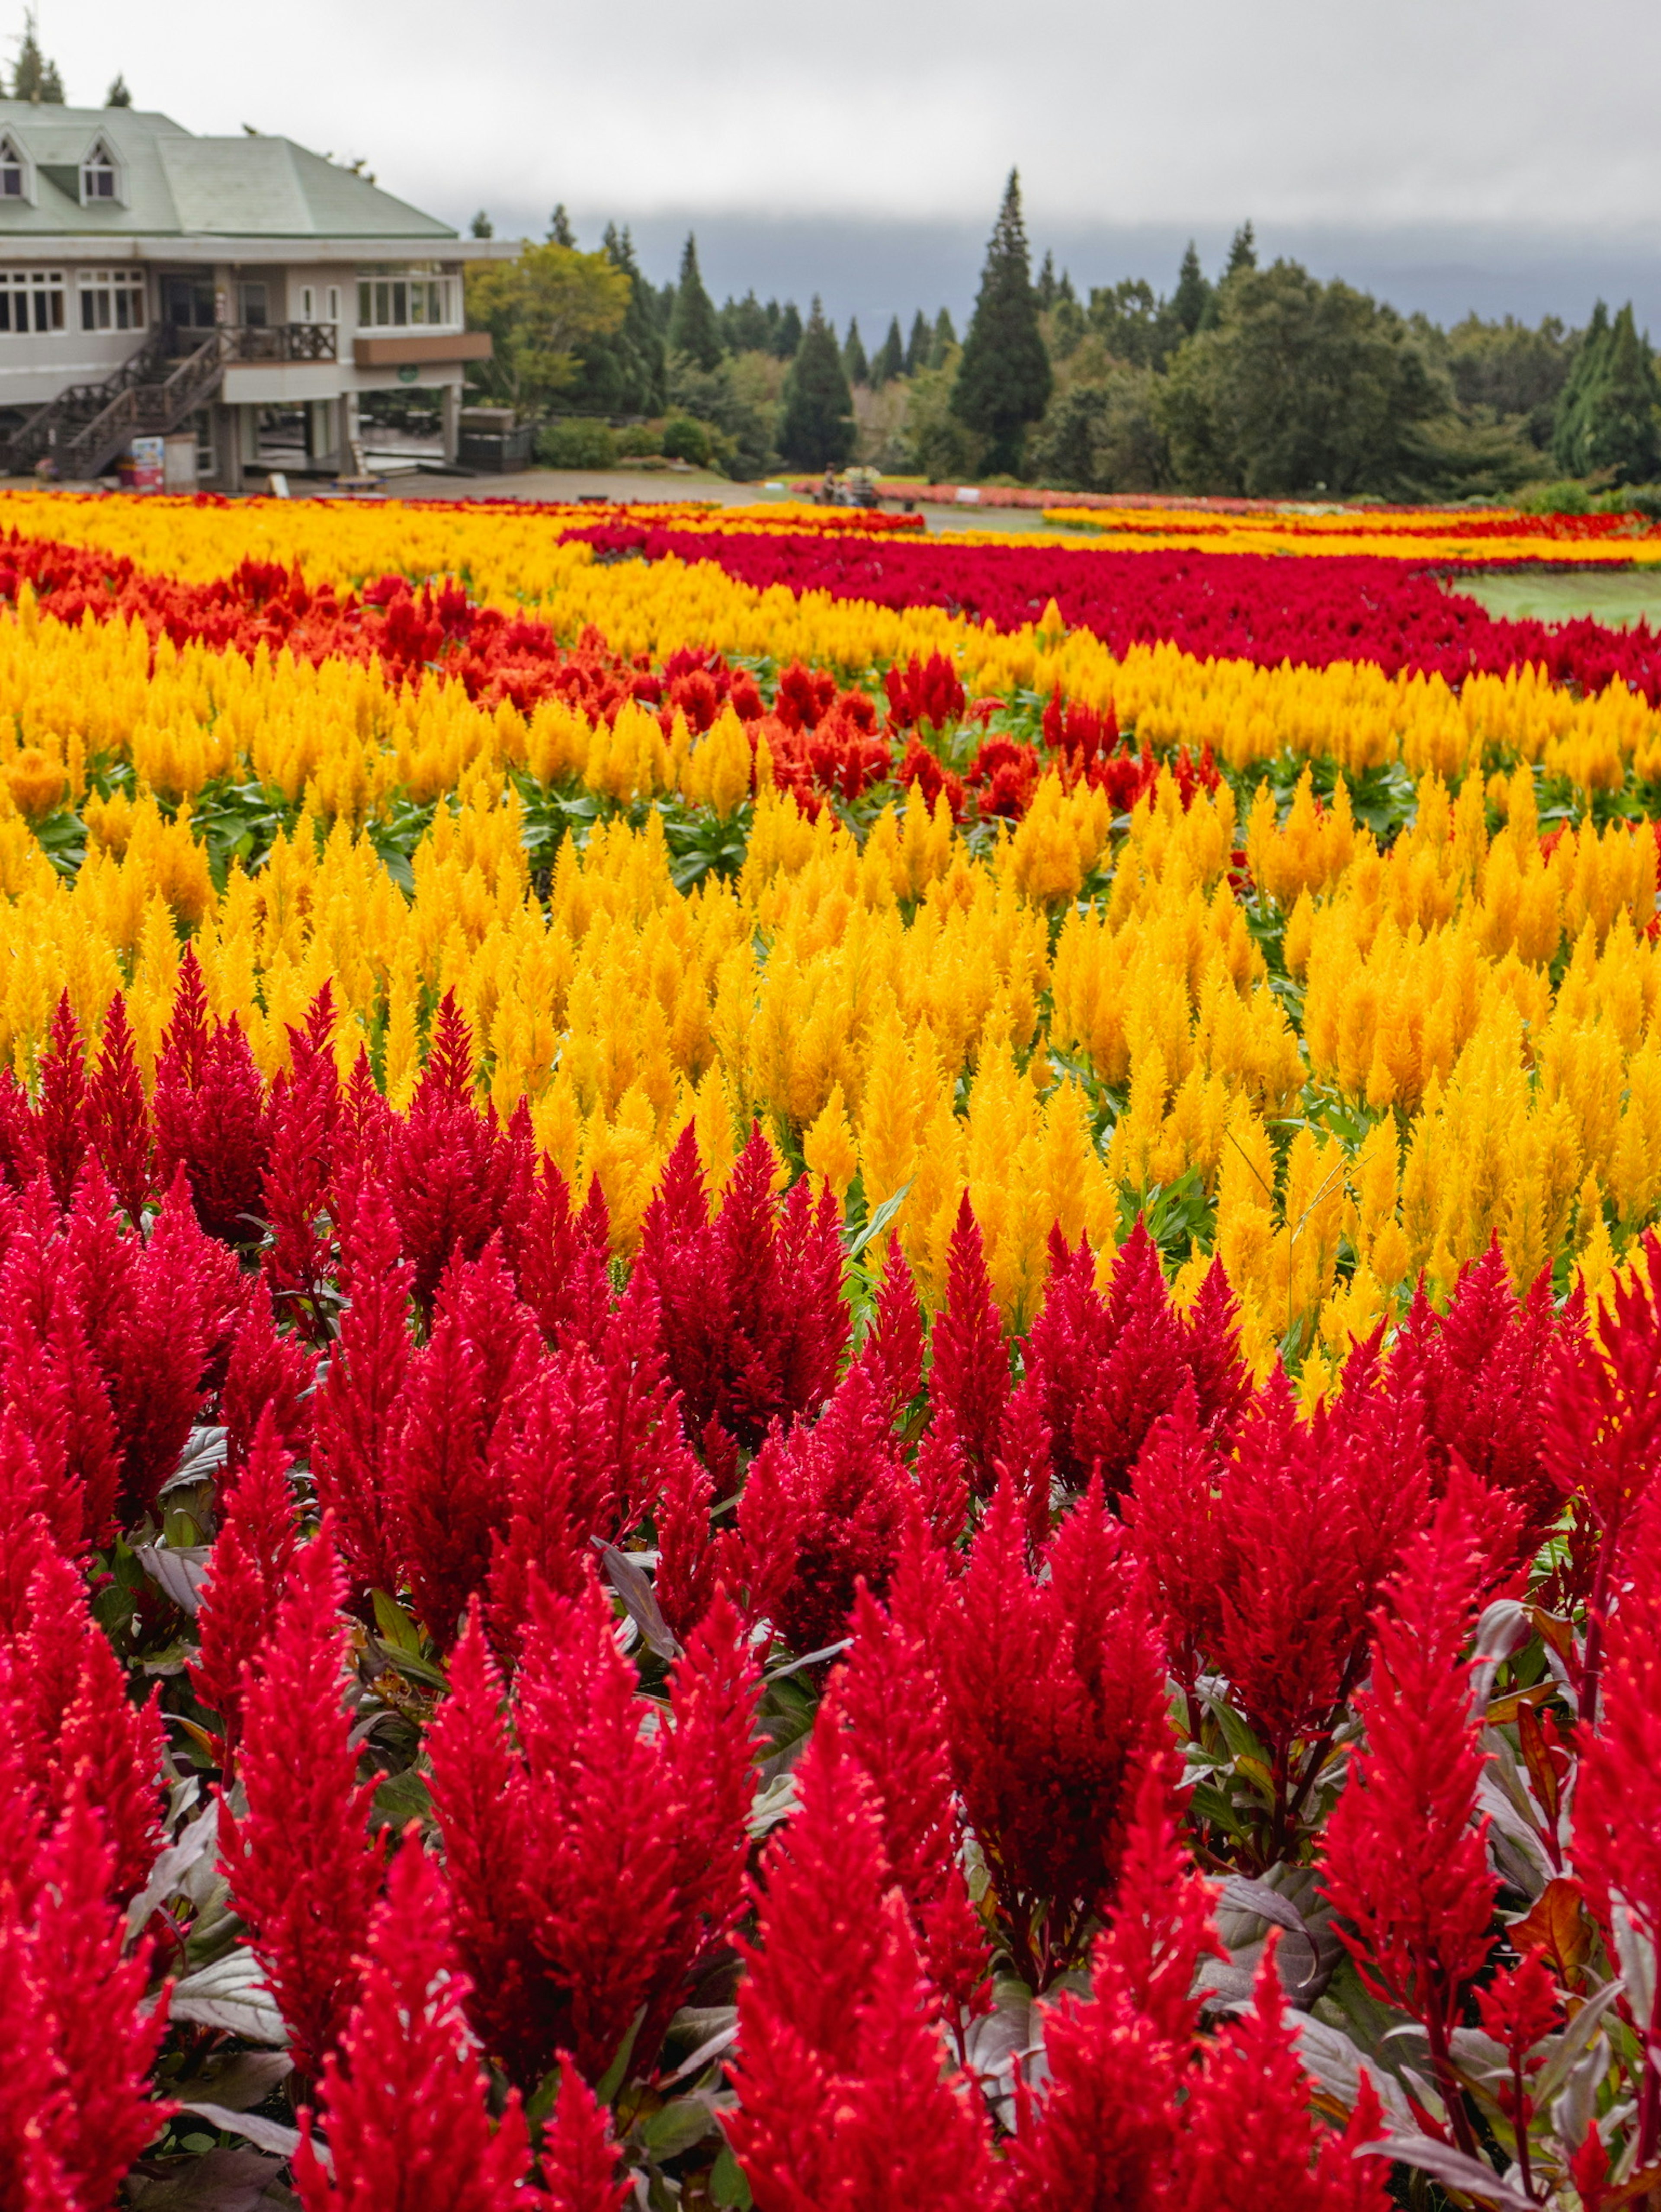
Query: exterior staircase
point(153, 391)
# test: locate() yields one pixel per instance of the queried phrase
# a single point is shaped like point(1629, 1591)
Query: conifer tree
point(622, 371)
point(1610, 417)
point(889, 360)
point(118, 95)
point(1046, 286)
point(787, 343)
point(694, 327)
point(1004, 379)
point(854, 364)
point(560, 231)
point(816, 429)
point(1192, 296)
point(917, 345)
point(945, 339)
point(35, 78)
point(482, 226)
point(1242, 252)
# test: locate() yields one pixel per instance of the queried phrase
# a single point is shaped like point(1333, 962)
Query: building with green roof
point(151, 280)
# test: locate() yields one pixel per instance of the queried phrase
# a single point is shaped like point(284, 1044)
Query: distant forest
point(1253, 379)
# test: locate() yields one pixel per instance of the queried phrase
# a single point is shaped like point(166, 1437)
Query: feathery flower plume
point(969, 1376)
point(247, 1571)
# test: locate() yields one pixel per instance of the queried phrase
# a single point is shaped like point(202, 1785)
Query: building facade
point(151, 280)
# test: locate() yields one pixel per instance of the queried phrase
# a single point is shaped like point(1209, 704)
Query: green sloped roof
point(177, 185)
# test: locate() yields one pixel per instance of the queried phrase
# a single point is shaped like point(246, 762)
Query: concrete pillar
point(451, 422)
point(228, 426)
point(346, 412)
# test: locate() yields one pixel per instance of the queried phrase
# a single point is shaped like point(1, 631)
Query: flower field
point(829, 1365)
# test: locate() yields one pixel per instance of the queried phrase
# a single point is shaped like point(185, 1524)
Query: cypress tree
point(1192, 296)
point(889, 358)
point(917, 345)
point(856, 367)
point(945, 339)
point(1242, 252)
point(816, 428)
point(35, 78)
point(560, 231)
point(1046, 286)
point(694, 328)
point(1003, 380)
point(788, 344)
point(744, 324)
point(118, 95)
point(623, 372)
point(1612, 419)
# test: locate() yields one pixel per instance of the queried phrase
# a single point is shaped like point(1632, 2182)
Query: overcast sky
point(1497, 138)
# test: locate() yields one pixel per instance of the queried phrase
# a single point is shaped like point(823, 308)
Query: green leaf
point(877, 1222)
point(727, 2185)
point(395, 1625)
point(617, 2073)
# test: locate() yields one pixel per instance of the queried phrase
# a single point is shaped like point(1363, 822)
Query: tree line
point(1258, 381)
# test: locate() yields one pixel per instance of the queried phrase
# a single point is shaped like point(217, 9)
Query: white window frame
point(12, 156)
point(32, 285)
point(413, 295)
point(114, 290)
point(101, 159)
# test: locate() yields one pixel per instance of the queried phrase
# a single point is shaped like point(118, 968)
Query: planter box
point(499, 451)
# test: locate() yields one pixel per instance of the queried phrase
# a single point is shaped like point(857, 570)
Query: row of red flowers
point(372, 1413)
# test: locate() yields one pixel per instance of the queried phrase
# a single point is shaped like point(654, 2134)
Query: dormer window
point(14, 171)
point(100, 181)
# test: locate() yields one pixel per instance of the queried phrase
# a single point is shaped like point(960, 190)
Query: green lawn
point(1627, 596)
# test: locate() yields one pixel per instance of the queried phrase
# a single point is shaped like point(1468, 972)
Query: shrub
point(684, 439)
point(578, 445)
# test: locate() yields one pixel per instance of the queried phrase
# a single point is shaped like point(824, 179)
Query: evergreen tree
point(560, 231)
point(1004, 378)
point(1065, 294)
point(787, 343)
point(917, 345)
point(1193, 294)
point(1242, 252)
point(945, 339)
point(889, 360)
point(1609, 414)
point(623, 370)
point(815, 428)
point(118, 95)
point(1046, 286)
point(35, 78)
point(856, 367)
point(482, 226)
point(744, 324)
point(694, 329)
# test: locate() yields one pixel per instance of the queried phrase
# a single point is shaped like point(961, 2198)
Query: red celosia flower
point(62, 1122)
point(970, 1374)
point(887, 1700)
point(212, 1120)
point(924, 691)
point(1249, 2141)
point(1106, 2132)
point(550, 1458)
point(404, 2099)
point(1054, 1703)
point(1108, 1367)
point(844, 2103)
point(355, 1441)
point(302, 1868)
point(1405, 1856)
point(170, 1314)
point(74, 2111)
point(1602, 1430)
point(306, 1111)
point(1480, 1374)
point(1175, 1520)
point(50, 1380)
point(850, 1495)
point(559, 1257)
point(117, 1113)
point(895, 1345)
point(63, 1696)
point(750, 1304)
point(567, 1921)
point(247, 1571)
point(447, 1490)
point(268, 1375)
point(687, 1553)
point(447, 1171)
point(1024, 1456)
point(578, 2158)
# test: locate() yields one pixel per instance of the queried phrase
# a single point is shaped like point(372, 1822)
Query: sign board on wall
point(145, 467)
